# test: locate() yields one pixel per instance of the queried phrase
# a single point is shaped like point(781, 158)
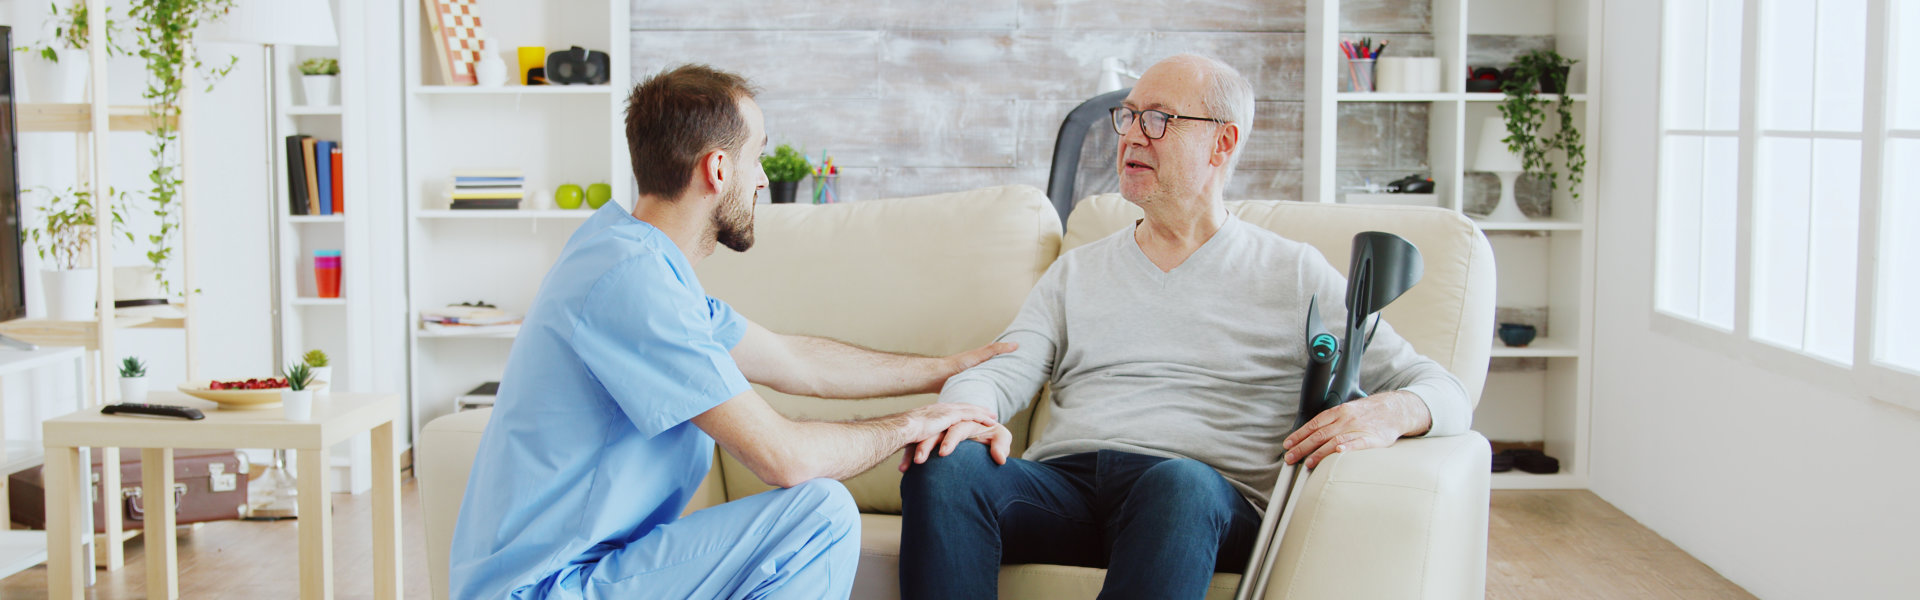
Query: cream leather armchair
point(941, 274)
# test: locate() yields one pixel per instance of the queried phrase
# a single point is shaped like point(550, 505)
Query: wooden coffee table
point(336, 418)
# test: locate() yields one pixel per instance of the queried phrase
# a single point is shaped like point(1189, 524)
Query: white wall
point(1790, 488)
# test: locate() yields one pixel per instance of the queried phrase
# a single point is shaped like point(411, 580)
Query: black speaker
point(577, 65)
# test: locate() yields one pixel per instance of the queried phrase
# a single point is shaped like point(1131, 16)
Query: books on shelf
point(487, 189)
point(314, 176)
point(480, 396)
point(463, 319)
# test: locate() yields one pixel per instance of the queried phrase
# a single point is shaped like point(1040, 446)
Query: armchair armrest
point(1408, 521)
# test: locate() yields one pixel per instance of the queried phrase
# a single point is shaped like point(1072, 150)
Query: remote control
point(158, 410)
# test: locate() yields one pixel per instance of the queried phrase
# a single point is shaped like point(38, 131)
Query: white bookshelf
point(555, 134)
point(1544, 263)
point(342, 327)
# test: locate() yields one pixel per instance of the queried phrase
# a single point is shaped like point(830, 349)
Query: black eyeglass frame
point(1134, 115)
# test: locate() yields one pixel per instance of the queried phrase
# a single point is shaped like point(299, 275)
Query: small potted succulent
point(133, 380)
point(317, 77)
point(297, 398)
point(785, 168)
point(322, 371)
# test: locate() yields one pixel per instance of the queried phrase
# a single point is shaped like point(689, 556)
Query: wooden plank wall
point(923, 96)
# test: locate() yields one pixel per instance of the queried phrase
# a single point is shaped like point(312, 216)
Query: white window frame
point(1866, 375)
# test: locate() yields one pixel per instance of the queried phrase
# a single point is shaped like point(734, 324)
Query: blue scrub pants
point(799, 542)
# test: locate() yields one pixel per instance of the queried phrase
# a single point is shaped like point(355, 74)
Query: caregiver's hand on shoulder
point(1371, 422)
point(998, 439)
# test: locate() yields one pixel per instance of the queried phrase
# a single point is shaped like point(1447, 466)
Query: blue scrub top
point(590, 445)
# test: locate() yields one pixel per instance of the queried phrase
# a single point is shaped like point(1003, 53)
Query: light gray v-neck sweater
point(1203, 362)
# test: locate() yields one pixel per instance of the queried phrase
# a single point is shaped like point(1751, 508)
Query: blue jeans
point(1161, 527)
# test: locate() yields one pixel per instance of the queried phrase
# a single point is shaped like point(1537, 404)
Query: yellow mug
point(532, 57)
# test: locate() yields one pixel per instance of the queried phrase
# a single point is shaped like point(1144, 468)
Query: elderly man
point(626, 373)
point(1175, 354)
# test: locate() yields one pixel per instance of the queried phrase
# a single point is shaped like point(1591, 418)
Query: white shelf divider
point(479, 214)
point(511, 90)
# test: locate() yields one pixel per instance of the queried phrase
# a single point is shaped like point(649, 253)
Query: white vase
point(133, 389)
point(70, 293)
point(322, 375)
point(45, 81)
point(490, 71)
point(298, 405)
point(319, 90)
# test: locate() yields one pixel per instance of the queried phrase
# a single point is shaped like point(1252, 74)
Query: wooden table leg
point(386, 515)
point(316, 526)
point(157, 504)
point(64, 489)
point(110, 497)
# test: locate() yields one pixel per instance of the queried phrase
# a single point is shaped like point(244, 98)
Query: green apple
point(568, 196)
point(598, 194)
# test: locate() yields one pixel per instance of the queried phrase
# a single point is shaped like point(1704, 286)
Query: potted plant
point(785, 168)
point(297, 399)
point(63, 242)
point(60, 74)
point(1545, 71)
point(317, 77)
point(317, 362)
point(133, 380)
point(165, 31)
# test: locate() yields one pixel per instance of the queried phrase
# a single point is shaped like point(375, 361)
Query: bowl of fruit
point(243, 393)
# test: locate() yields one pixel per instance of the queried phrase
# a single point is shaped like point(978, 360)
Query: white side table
point(336, 418)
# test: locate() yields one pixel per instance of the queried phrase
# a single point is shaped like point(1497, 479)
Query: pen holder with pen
point(1360, 75)
point(825, 190)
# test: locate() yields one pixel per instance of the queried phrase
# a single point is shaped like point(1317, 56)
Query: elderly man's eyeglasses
point(1152, 122)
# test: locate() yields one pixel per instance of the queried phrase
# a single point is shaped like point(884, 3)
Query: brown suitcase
point(208, 485)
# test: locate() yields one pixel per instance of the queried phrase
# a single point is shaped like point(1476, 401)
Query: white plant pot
point(322, 375)
point(299, 405)
point(133, 389)
point(45, 81)
point(319, 90)
point(70, 294)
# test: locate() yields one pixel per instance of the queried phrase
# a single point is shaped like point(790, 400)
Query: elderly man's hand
point(1371, 422)
point(998, 439)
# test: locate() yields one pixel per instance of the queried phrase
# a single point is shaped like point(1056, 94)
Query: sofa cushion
point(931, 275)
point(1440, 316)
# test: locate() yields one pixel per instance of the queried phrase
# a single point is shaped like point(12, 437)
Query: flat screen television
point(13, 290)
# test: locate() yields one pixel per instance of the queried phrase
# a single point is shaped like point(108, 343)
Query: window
point(1782, 124)
point(1700, 110)
point(1897, 323)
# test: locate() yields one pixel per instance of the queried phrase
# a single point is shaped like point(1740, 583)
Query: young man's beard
point(733, 219)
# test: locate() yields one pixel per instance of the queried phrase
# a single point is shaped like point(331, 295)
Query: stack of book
point(313, 176)
point(468, 320)
point(490, 189)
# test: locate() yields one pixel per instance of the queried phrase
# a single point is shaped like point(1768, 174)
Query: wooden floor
point(1542, 544)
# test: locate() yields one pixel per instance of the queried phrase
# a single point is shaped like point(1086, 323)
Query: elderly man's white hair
point(1226, 96)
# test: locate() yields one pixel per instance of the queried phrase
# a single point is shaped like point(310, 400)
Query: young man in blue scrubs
point(625, 374)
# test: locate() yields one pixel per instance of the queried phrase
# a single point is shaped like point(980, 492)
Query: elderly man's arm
point(1006, 383)
point(1409, 395)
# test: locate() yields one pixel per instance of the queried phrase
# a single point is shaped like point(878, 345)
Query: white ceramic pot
point(299, 405)
point(319, 90)
point(70, 293)
point(133, 389)
point(322, 375)
point(45, 81)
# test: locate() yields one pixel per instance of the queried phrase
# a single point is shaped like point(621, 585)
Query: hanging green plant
point(70, 32)
point(165, 29)
point(1526, 115)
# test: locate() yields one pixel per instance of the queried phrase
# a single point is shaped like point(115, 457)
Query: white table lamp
point(1492, 156)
